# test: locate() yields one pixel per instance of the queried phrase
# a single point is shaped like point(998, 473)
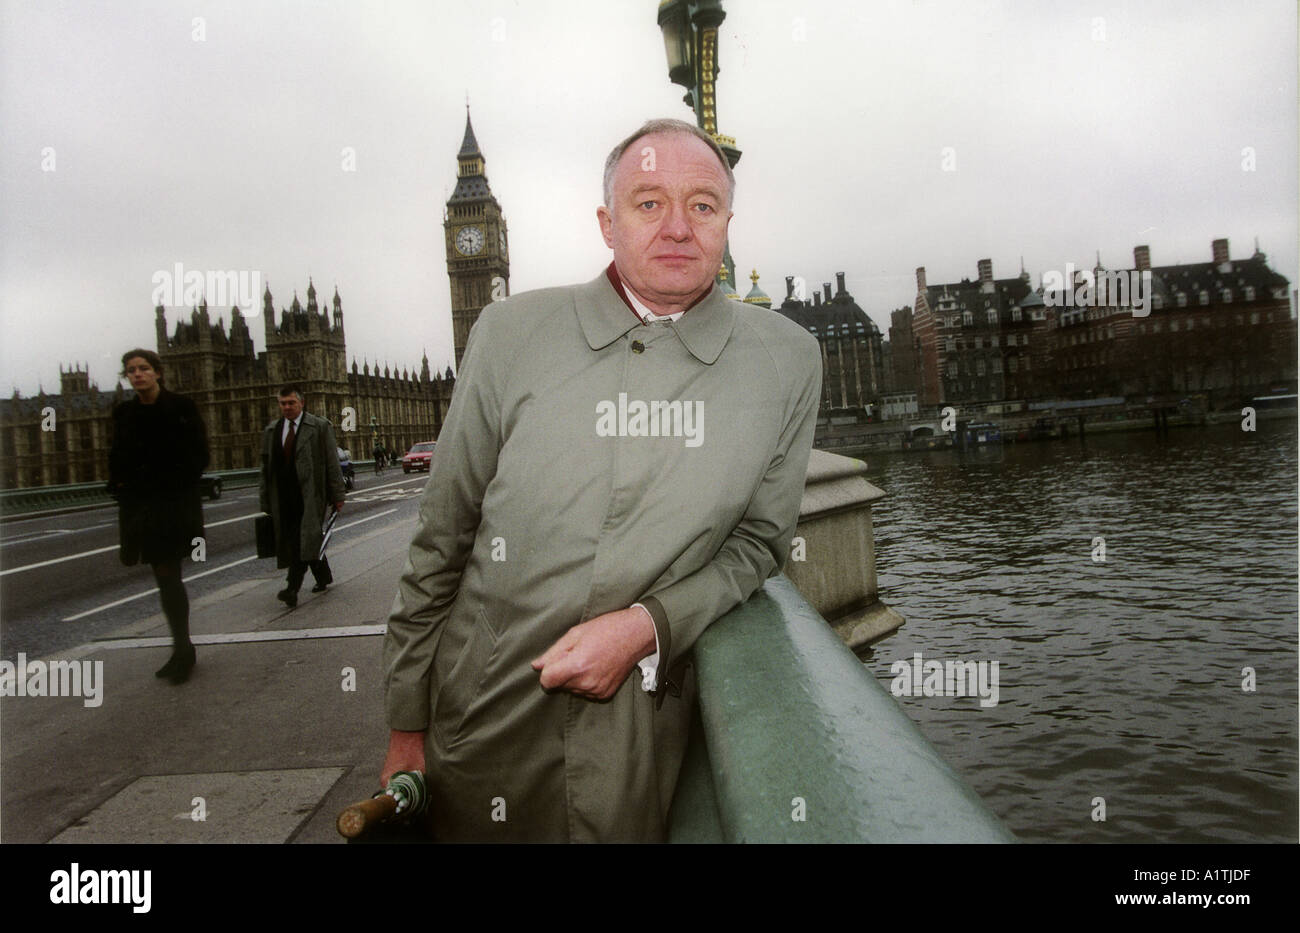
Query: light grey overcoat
point(553, 498)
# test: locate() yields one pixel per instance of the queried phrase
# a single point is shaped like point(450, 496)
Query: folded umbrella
point(326, 532)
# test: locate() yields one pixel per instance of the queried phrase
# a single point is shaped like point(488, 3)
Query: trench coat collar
point(605, 316)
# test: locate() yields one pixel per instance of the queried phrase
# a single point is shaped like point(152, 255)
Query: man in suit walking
point(300, 478)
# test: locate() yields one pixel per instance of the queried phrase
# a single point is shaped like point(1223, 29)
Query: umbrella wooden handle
point(359, 817)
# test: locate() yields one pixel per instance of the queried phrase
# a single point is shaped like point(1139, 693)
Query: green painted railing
point(40, 498)
point(91, 495)
point(797, 742)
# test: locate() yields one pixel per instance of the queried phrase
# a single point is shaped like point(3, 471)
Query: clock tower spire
point(478, 263)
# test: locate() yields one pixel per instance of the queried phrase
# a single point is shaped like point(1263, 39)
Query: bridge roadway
point(281, 724)
point(61, 582)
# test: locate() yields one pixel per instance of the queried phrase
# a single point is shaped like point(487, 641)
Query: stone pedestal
point(837, 572)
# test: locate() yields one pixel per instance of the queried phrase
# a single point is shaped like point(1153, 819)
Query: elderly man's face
point(668, 219)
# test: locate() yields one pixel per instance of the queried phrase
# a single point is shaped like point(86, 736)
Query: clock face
point(469, 240)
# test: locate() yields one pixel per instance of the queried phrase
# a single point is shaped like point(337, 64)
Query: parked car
point(210, 485)
point(345, 464)
point(418, 457)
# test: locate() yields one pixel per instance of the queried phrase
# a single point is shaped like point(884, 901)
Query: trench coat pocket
point(463, 684)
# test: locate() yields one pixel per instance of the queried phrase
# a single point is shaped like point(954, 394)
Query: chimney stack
point(839, 284)
point(789, 287)
point(1220, 248)
point(1142, 258)
point(920, 278)
point(826, 291)
point(817, 299)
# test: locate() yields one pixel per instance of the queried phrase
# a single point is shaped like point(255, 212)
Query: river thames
point(1156, 687)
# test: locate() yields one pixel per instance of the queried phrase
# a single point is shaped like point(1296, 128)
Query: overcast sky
point(136, 138)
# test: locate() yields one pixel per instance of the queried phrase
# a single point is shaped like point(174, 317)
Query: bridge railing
point(90, 495)
point(796, 741)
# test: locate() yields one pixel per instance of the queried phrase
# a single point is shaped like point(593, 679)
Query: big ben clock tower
point(478, 262)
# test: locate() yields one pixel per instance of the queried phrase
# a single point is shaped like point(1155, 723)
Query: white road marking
point(154, 589)
point(239, 638)
point(58, 560)
point(231, 521)
point(104, 550)
point(401, 482)
point(36, 535)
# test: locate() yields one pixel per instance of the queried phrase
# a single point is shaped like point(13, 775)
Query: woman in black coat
point(159, 452)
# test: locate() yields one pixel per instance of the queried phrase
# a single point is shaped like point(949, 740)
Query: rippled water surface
point(1119, 680)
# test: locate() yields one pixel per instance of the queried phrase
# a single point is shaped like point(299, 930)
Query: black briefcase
point(265, 536)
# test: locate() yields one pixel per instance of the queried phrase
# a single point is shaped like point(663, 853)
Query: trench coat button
point(637, 346)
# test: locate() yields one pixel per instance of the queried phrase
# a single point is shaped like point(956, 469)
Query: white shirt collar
point(645, 313)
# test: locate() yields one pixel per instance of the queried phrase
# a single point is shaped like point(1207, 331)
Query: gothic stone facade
point(236, 392)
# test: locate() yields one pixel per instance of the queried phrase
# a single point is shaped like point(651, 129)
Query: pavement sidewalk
point(279, 728)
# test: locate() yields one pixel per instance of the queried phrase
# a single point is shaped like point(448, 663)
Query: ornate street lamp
point(690, 29)
point(674, 20)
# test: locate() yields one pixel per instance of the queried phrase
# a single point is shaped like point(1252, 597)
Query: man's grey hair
point(670, 128)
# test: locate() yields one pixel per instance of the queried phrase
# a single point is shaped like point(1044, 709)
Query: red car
point(418, 457)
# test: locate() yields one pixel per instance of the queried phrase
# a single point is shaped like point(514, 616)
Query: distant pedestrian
point(301, 477)
point(378, 453)
point(158, 455)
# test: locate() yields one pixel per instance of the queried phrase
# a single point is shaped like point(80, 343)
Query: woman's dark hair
point(153, 359)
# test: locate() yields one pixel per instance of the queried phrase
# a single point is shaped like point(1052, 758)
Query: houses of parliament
point(55, 439)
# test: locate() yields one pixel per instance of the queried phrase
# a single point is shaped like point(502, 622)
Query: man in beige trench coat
point(622, 463)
